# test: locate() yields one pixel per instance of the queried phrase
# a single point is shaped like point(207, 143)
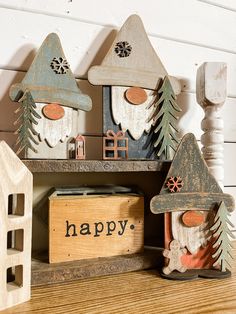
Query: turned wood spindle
point(211, 95)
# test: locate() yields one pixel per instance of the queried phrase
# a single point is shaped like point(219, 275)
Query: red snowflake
point(175, 184)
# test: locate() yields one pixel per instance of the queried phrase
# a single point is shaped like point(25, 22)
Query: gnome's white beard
point(53, 131)
point(131, 117)
point(190, 237)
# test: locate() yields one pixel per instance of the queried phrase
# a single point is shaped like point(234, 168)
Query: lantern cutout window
point(16, 204)
point(15, 241)
point(80, 147)
point(14, 277)
point(115, 145)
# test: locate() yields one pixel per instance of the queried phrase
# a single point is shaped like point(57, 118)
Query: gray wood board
point(52, 165)
point(190, 201)
point(188, 163)
point(45, 273)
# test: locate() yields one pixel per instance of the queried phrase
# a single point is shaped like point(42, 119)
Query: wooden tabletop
point(135, 292)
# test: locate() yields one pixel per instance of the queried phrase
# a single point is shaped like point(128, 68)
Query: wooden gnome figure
point(50, 101)
point(196, 216)
point(131, 73)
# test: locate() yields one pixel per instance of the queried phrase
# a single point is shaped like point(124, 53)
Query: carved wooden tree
point(26, 120)
point(221, 233)
point(165, 121)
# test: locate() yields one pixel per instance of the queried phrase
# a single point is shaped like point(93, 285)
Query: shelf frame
point(53, 166)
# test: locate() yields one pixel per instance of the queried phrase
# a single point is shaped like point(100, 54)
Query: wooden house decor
point(50, 100)
point(80, 147)
point(131, 73)
point(16, 228)
point(91, 222)
point(115, 146)
point(196, 215)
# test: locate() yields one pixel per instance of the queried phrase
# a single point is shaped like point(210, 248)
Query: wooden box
point(97, 222)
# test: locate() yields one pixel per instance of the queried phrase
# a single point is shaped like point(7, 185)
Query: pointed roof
point(199, 188)
point(189, 164)
point(50, 79)
point(131, 60)
point(12, 169)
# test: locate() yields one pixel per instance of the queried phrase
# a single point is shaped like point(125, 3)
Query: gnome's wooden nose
point(53, 111)
point(136, 95)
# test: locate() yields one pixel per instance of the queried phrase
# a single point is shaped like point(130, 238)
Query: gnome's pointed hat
point(198, 191)
point(49, 78)
point(131, 60)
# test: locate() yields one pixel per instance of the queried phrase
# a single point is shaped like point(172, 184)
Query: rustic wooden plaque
point(90, 226)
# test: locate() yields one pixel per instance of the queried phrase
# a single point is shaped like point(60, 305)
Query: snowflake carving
point(123, 49)
point(60, 65)
point(175, 184)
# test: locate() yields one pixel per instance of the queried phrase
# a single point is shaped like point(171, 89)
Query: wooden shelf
point(44, 273)
point(36, 165)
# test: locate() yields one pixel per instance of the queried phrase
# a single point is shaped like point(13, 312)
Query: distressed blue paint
point(47, 86)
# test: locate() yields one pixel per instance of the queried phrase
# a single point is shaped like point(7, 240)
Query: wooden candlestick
point(211, 95)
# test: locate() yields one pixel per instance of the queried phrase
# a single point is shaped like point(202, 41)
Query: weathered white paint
point(92, 41)
point(184, 33)
point(183, 20)
point(53, 131)
point(192, 113)
point(133, 118)
point(15, 179)
point(91, 122)
point(211, 94)
point(192, 238)
point(225, 4)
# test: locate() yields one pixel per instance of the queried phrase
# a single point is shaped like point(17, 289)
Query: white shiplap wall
point(185, 33)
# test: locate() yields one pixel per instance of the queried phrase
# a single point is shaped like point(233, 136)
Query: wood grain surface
point(130, 117)
point(44, 273)
point(190, 201)
point(203, 29)
point(95, 165)
point(211, 83)
point(137, 292)
point(90, 226)
point(16, 228)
